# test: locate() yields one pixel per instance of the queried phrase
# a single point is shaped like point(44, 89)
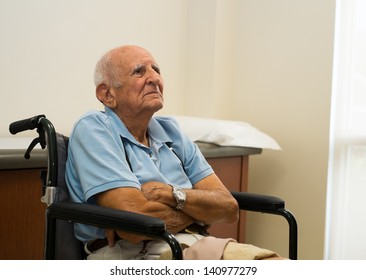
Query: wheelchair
point(61, 214)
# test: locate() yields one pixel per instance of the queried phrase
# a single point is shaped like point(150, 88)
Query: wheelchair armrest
point(104, 217)
point(271, 205)
point(258, 202)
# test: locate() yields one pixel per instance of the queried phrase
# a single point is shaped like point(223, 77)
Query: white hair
point(106, 71)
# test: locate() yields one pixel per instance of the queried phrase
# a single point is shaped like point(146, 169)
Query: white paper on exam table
point(225, 133)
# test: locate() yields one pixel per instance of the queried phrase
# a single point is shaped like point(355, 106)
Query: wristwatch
point(180, 197)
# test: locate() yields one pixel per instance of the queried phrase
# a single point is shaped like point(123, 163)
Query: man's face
point(141, 86)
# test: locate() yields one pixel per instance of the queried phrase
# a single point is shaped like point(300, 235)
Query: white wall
point(286, 68)
point(49, 48)
point(271, 65)
point(265, 62)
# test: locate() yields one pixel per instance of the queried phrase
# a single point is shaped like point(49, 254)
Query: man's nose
point(153, 77)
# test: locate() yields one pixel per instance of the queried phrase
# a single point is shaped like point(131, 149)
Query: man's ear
point(105, 96)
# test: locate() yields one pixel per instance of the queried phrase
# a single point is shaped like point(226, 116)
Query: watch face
point(180, 195)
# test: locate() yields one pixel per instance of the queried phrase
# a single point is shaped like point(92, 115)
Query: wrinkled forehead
point(130, 56)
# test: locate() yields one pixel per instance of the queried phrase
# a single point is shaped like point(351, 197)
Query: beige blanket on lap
point(212, 248)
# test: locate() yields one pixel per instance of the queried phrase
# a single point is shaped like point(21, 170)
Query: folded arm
point(132, 199)
point(209, 201)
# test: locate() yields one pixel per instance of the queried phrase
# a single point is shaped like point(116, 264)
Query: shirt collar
point(155, 130)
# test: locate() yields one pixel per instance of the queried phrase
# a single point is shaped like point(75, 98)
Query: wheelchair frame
point(123, 220)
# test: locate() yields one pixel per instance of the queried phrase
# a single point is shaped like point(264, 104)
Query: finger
point(110, 237)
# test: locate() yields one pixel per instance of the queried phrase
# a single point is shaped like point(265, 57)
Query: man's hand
point(158, 192)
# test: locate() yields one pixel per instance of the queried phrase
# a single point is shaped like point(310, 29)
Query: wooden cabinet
point(22, 215)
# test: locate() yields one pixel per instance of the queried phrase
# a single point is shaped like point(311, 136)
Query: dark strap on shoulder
point(126, 155)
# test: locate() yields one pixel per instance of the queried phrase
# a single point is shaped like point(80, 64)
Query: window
point(346, 207)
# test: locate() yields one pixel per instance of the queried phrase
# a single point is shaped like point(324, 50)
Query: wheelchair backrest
point(67, 247)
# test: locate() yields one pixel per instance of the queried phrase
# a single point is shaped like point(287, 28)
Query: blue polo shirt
point(104, 155)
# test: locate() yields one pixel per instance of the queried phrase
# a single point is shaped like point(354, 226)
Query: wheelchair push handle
point(26, 124)
point(46, 138)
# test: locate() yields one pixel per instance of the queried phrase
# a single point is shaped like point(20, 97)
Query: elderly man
point(125, 158)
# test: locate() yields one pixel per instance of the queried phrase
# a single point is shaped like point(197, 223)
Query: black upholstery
point(65, 238)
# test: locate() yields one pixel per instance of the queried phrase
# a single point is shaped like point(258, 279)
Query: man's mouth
point(153, 92)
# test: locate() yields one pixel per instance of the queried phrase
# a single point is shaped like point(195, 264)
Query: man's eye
point(157, 69)
point(138, 71)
